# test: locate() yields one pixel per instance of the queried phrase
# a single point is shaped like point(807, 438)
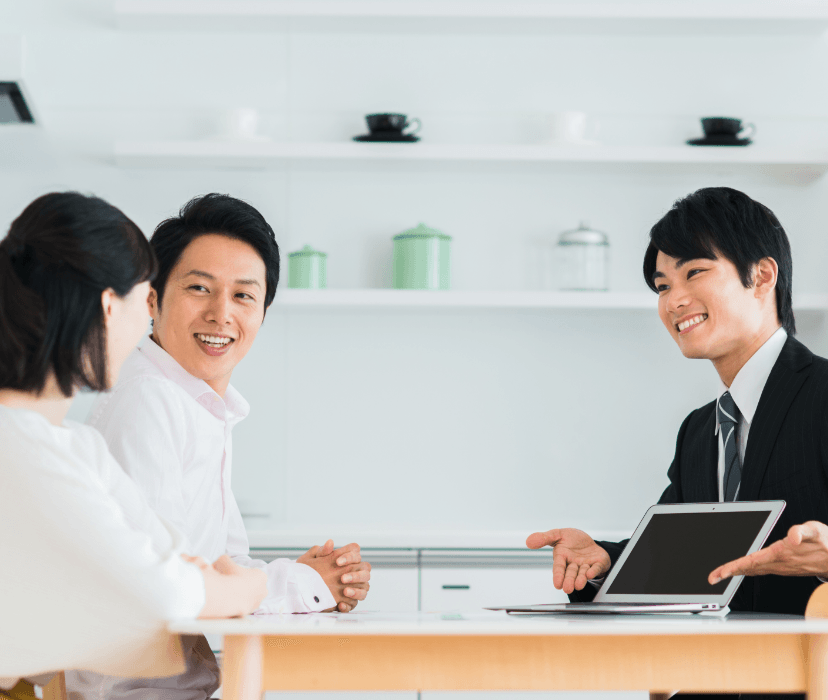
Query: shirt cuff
point(304, 589)
point(597, 582)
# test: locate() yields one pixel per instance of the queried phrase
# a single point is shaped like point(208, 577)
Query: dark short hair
point(59, 256)
point(720, 221)
point(220, 214)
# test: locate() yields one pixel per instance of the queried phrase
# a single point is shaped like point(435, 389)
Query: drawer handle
point(447, 587)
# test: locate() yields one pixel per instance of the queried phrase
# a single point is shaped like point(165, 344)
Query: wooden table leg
point(242, 668)
point(818, 667)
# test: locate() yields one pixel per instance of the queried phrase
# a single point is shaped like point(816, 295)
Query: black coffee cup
point(726, 126)
point(394, 123)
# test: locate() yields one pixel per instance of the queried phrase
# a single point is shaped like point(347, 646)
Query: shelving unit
point(397, 299)
point(268, 154)
point(556, 16)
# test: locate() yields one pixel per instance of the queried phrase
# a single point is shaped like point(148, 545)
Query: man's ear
point(765, 275)
point(152, 300)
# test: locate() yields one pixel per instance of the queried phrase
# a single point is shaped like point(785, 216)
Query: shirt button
point(316, 598)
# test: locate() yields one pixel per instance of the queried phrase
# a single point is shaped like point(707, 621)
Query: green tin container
point(422, 259)
point(307, 269)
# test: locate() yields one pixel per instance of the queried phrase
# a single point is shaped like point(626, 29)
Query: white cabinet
point(470, 581)
point(394, 588)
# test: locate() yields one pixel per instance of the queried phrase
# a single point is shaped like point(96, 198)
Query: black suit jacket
point(786, 458)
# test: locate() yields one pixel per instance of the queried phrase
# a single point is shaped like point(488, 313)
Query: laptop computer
point(665, 565)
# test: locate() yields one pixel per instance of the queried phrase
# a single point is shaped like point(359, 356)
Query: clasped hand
point(344, 572)
point(576, 557)
point(802, 552)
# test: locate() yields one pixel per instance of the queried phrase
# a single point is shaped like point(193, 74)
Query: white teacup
point(242, 123)
point(569, 128)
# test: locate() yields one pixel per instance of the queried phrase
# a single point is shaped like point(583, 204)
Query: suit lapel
point(784, 382)
point(709, 461)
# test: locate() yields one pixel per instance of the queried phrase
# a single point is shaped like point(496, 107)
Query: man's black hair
point(220, 214)
point(720, 221)
point(62, 252)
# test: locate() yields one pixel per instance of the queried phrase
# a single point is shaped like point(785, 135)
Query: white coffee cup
point(568, 128)
point(241, 123)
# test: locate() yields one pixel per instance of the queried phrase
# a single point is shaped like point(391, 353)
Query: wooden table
point(493, 651)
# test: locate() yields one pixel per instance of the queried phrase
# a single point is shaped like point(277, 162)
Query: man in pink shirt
point(168, 421)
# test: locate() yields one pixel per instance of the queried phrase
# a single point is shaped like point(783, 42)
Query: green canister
point(421, 259)
point(307, 269)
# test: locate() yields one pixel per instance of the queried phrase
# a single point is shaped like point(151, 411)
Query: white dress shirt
point(746, 391)
point(172, 434)
point(80, 585)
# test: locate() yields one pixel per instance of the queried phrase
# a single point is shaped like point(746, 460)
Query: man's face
point(705, 307)
point(212, 308)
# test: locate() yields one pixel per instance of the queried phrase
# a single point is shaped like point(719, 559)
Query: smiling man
point(721, 265)
point(169, 421)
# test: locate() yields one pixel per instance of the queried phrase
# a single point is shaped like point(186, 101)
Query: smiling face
point(711, 314)
point(212, 308)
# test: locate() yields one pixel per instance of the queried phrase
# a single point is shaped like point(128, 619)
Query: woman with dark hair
point(89, 576)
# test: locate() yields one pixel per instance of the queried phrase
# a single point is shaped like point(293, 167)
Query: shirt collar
point(749, 383)
point(234, 403)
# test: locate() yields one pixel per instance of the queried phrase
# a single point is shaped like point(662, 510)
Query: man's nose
point(677, 299)
point(220, 310)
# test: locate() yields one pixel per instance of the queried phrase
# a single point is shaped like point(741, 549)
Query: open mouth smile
point(690, 323)
point(214, 342)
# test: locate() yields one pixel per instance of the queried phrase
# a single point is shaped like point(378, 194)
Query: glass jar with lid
point(583, 260)
point(307, 269)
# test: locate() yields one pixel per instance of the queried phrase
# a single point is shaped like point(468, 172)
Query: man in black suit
point(721, 265)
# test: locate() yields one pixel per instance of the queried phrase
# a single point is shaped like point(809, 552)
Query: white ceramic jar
point(583, 260)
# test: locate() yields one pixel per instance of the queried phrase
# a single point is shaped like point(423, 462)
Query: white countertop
point(482, 622)
point(306, 537)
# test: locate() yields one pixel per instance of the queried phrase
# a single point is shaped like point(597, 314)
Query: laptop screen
point(677, 551)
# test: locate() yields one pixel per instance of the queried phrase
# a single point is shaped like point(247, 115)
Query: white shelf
point(558, 16)
point(396, 299)
point(264, 154)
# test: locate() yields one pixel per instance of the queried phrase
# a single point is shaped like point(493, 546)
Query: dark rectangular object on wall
point(13, 107)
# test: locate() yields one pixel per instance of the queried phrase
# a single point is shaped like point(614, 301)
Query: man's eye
point(693, 272)
point(198, 287)
point(661, 287)
point(245, 295)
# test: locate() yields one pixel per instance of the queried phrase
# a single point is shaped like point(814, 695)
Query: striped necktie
point(729, 425)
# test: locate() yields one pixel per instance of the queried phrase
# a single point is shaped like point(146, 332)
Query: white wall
point(466, 420)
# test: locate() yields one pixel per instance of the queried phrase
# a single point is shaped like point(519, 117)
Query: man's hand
point(576, 557)
point(802, 552)
point(343, 570)
point(230, 590)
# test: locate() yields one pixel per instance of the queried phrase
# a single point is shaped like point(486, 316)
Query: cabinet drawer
point(393, 589)
point(472, 588)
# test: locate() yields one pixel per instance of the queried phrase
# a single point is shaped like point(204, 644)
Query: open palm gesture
point(577, 557)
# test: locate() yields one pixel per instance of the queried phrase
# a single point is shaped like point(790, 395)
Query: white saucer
point(231, 138)
point(583, 142)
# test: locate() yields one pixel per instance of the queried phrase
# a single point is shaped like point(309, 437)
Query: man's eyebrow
point(681, 262)
point(201, 273)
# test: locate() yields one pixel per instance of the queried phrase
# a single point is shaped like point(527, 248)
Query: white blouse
point(89, 575)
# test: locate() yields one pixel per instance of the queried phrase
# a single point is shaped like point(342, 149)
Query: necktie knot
point(728, 412)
